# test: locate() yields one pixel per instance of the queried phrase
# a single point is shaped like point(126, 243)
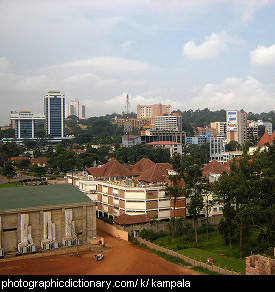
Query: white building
point(169, 122)
point(267, 125)
point(173, 147)
point(217, 146)
point(74, 108)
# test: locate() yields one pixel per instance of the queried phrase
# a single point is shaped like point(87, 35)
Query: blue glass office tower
point(54, 110)
point(25, 124)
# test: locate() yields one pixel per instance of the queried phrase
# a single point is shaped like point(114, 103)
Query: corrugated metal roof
point(38, 196)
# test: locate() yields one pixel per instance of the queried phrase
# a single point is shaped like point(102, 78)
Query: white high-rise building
point(74, 108)
point(169, 123)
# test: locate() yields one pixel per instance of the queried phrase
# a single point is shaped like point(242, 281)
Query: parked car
point(99, 257)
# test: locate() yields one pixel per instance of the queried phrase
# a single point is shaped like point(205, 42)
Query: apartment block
point(133, 190)
point(151, 111)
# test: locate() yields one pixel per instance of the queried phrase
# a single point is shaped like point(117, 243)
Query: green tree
point(8, 170)
point(174, 190)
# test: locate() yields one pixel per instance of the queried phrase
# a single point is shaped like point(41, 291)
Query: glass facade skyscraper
point(54, 110)
point(25, 124)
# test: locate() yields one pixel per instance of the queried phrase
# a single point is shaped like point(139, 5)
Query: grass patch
point(9, 185)
point(236, 264)
point(167, 257)
point(213, 248)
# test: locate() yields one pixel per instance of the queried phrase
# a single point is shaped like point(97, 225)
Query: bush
point(203, 229)
point(151, 235)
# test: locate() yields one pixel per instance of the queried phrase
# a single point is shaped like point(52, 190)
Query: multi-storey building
point(169, 122)
point(151, 111)
point(136, 189)
point(236, 124)
point(162, 135)
point(173, 147)
point(54, 110)
point(136, 123)
point(74, 108)
point(25, 123)
point(220, 128)
point(217, 146)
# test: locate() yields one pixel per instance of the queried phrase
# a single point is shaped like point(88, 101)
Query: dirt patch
point(120, 258)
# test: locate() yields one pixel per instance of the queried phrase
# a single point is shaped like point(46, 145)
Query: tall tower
point(236, 124)
point(54, 110)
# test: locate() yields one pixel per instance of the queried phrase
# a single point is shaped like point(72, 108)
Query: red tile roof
point(39, 160)
point(266, 139)
point(126, 219)
point(155, 173)
point(18, 158)
point(112, 168)
point(141, 166)
point(214, 167)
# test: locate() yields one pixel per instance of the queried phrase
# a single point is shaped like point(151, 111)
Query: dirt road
point(120, 258)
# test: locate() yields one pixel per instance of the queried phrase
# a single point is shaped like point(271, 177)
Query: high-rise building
point(151, 111)
point(54, 110)
point(74, 108)
point(170, 123)
point(25, 124)
point(236, 124)
point(220, 128)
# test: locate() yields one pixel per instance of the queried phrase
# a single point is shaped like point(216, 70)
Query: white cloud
point(263, 56)
point(108, 64)
point(247, 8)
point(212, 46)
point(248, 94)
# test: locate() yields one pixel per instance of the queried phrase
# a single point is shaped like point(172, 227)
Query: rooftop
point(38, 196)
point(126, 219)
point(144, 170)
point(266, 139)
point(214, 167)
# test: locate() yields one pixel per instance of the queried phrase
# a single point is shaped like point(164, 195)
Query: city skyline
point(217, 54)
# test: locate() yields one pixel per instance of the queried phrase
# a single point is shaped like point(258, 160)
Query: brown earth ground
point(120, 258)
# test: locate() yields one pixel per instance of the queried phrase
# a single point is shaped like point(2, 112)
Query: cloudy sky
point(191, 54)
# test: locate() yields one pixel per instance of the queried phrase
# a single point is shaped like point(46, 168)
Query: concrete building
point(25, 124)
point(135, 123)
point(151, 111)
point(266, 124)
point(54, 111)
point(173, 147)
point(149, 136)
point(76, 109)
point(220, 128)
point(236, 124)
point(217, 146)
point(44, 217)
point(130, 189)
point(169, 122)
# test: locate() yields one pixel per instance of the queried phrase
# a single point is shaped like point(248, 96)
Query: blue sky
point(194, 54)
